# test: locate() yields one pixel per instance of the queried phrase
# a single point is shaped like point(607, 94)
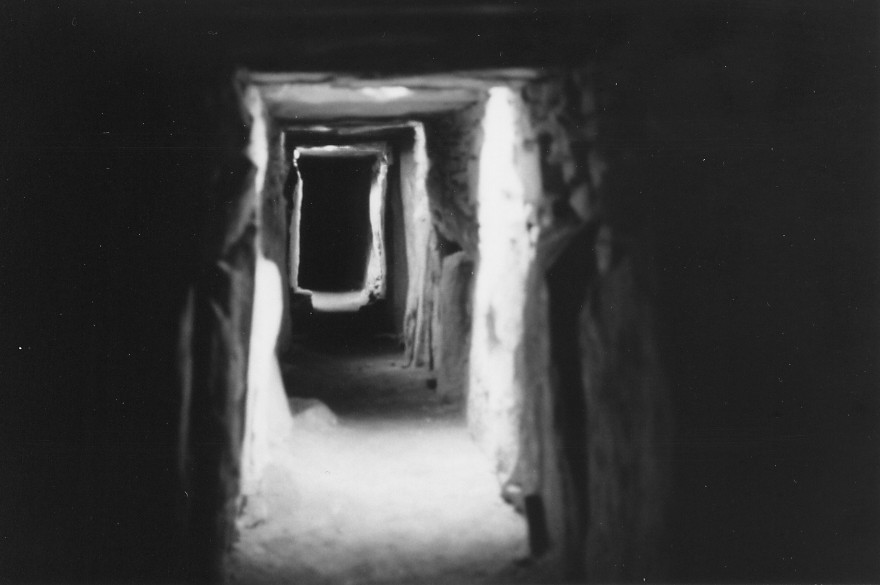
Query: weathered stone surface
point(563, 111)
point(596, 408)
point(267, 413)
point(508, 186)
point(424, 317)
point(548, 483)
point(398, 267)
point(418, 234)
point(214, 390)
point(455, 311)
point(628, 426)
point(274, 216)
point(453, 143)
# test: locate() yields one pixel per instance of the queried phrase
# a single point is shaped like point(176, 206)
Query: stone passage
point(392, 491)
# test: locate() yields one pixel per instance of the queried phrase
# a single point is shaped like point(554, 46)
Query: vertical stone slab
point(268, 420)
point(222, 314)
point(454, 323)
point(398, 266)
point(628, 427)
point(507, 187)
point(453, 148)
point(549, 483)
point(212, 425)
point(377, 264)
point(275, 220)
point(599, 415)
point(424, 315)
point(417, 231)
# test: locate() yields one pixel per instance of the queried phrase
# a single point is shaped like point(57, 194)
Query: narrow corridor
point(388, 488)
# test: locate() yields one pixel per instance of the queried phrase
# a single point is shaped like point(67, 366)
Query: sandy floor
point(395, 492)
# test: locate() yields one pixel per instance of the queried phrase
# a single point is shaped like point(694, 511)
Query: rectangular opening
point(335, 235)
point(338, 255)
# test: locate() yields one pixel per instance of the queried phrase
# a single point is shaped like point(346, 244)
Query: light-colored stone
point(509, 183)
point(417, 234)
point(268, 419)
point(311, 414)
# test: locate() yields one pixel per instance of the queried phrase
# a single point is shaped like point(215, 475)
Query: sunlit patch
point(386, 93)
point(267, 416)
point(339, 302)
point(509, 176)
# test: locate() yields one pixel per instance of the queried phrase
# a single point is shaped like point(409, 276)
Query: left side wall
point(127, 249)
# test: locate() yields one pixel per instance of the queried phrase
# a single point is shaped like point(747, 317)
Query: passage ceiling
point(317, 97)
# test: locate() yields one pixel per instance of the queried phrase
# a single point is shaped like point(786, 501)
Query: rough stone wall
point(628, 426)
point(602, 410)
point(439, 196)
point(508, 186)
point(417, 235)
point(454, 325)
point(563, 112)
point(540, 486)
point(268, 418)
point(450, 143)
point(127, 225)
point(396, 248)
point(215, 369)
point(453, 150)
point(422, 319)
point(274, 218)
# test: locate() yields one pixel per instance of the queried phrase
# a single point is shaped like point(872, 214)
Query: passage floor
point(394, 491)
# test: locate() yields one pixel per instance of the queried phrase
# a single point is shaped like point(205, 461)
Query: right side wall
point(716, 186)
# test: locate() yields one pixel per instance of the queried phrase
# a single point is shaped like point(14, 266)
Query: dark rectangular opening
point(334, 232)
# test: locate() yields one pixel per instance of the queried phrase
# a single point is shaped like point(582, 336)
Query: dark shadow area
point(395, 241)
point(335, 234)
point(568, 277)
point(340, 330)
point(337, 367)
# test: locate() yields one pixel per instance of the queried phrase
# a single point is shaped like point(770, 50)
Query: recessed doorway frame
point(375, 281)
